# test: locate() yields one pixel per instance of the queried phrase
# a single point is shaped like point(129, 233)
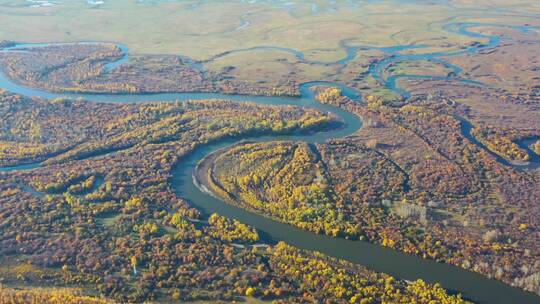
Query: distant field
point(204, 29)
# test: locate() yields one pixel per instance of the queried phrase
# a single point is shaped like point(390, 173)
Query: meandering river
point(473, 286)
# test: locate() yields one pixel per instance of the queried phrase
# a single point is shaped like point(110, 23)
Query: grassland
point(210, 28)
point(319, 31)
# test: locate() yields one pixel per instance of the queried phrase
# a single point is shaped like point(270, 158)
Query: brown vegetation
point(83, 68)
point(422, 188)
point(45, 296)
point(113, 224)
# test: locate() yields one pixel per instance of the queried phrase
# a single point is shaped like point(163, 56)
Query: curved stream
point(472, 285)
